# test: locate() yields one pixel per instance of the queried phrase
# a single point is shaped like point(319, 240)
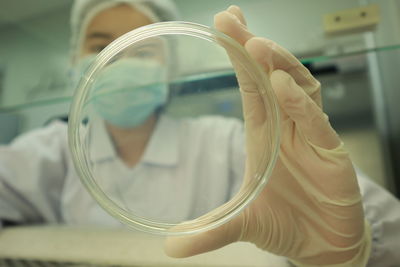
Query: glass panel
point(35, 68)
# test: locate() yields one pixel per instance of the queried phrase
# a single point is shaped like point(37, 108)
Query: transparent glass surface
point(34, 70)
point(156, 128)
point(324, 59)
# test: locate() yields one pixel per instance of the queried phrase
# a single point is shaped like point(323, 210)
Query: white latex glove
point(311, 210)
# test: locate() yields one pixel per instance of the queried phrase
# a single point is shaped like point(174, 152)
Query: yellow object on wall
point(351, 20)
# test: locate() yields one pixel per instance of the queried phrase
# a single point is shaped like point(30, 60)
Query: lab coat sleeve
point(32, 172)
point(382, 211)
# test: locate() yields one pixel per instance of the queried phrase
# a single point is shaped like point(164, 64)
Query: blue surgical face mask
point(128, 91)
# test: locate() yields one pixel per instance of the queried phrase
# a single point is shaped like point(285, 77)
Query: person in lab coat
point(315, 210)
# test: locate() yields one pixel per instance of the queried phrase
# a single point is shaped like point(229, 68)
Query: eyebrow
point(101, 35)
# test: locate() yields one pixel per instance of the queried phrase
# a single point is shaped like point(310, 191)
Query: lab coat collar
point(101, 147)
point(162, 148)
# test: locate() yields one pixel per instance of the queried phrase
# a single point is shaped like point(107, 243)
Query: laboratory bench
point(69, 246)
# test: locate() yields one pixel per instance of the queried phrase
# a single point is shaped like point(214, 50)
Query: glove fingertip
point(235, 10)
point(231, 25)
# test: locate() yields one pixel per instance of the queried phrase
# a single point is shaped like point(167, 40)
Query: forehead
point(117, 20)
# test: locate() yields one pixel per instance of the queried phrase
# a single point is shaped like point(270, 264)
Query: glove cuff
point(359, 260)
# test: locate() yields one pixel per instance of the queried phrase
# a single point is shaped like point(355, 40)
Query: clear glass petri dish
point(179, 180)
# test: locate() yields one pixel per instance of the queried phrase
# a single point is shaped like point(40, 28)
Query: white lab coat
point(38, 182)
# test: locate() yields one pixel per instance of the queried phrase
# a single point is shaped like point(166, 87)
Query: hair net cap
point(156, 10)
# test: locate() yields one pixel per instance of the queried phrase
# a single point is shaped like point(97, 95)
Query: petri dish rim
point(225, 212)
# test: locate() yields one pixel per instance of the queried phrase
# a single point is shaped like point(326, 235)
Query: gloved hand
point(310, 210)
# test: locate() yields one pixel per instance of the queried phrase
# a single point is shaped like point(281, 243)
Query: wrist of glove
point(361, 257)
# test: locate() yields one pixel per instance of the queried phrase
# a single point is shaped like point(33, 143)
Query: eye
point(97, 48)
point(144, 54)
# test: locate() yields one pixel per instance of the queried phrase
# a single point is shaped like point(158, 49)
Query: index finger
point(267, 53)
point(273, 57)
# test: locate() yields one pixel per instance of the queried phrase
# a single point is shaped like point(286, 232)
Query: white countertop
point(118, 247)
